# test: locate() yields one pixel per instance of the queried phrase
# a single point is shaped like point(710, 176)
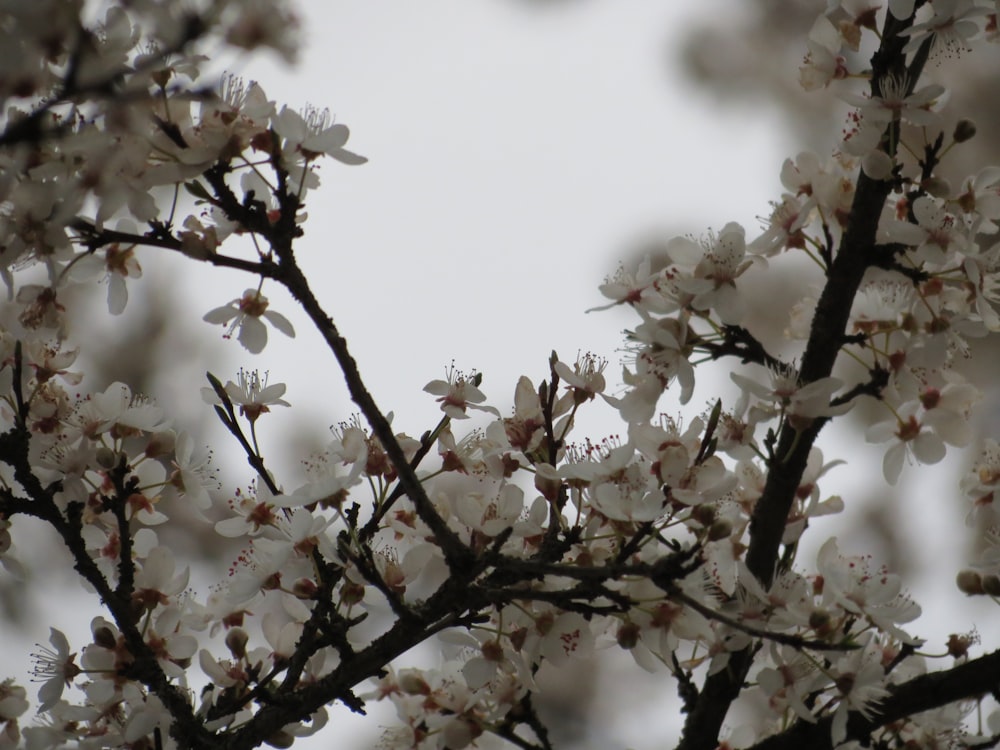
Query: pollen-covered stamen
point(48, 664)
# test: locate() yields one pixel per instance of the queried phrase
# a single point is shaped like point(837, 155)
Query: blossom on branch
point(244, 315)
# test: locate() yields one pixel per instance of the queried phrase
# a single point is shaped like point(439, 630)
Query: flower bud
point(720, 529)
point(991, 585)
point(104, 637)
point(820, 621)
point(703, 514)
point(964, 130)
point(106, 458)
point(351, 593)
point(970, 582)
point(492, 651)
point(628, 635)
point(305, 588)
point(236, 642)
point(412, 682)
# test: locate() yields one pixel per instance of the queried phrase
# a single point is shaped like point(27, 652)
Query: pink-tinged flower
point(49, 361)
point(489, 513)
point(307, 532)
point(823, 62)
point(854, 584)
point(860, 680)
point(936, 234)
point(619, 485)
point(561, 637)
point(155, 583)
point(224, 674)
point(64, 727)
point(908, 436)
point(638, 405)
point(639, 288)
point(784, 227)
point(895, 104)
point(120, 264)
point(880, 306)
point(245, 315)
point(329, 485)
point(523, 431)
point(586, 379)
point(981, 200)
point(171, 647)
point(56, 668)
point(231, 120)
point(459, 393)
point(253, 514)
point(800, 402)
point(948, 409)
point(251, 393)
point(281, 636)
point(807, 502)
point(145, 712)
point(119, 412)
point(952, 26)
point(981, 483)
point(704, 273)
point(661, 347)
point(875, 114)
point(790, 681)
point(193, 476)
point(40, 307)
point(259, 568)
point(312, 135)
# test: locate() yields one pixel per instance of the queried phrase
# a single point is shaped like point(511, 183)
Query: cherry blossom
point(823, 63)
point(708, 272)
point(861, 685)
point(853, 584)
point(245, 314)
point(459, 393)
point(252, 393)
point(952, 25)
point(639, 287)
point(800, 402)
point(193, 477)
point(936, 235)
point(911, 437)
point(586, 378)
point(56, 668)
point(12, 704)
point(313, 134)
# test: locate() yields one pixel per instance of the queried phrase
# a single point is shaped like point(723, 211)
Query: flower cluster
point(520, 543)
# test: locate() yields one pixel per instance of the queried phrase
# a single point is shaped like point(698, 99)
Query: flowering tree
point(513, 545)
